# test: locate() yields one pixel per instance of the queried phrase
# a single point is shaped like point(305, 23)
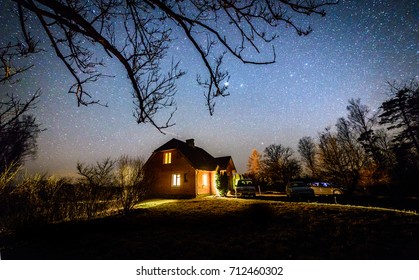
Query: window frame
point(167, 158)
point(176, 183)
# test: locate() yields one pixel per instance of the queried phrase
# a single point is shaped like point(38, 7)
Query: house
point(182, 169)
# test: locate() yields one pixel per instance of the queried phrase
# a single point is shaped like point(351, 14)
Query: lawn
point(226, 228)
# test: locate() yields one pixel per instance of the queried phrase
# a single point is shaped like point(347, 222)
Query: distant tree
point(307, 151)
point(353, 152)
point(138, 35)
point(253, 165)
point(341, 156)
point(401, 113)
point(278, 164)
point(401, 116)
point(364, 124)
point(384, 144)
point(99, 174)
point(19, 129)
point(131, 179)
point(94, 178)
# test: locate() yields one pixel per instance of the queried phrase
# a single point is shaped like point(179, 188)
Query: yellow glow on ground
point(150, 203)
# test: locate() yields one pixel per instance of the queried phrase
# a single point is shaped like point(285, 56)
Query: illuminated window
point(204, 180)
point(176, 180)
point(167, 158)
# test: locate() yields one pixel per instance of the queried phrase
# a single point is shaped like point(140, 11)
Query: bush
point(222, 184)
point(38, 199)
point(93, 185)
point(131, 180)
point(33, 201)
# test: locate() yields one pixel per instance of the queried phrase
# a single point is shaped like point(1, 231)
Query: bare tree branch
point(138, 34)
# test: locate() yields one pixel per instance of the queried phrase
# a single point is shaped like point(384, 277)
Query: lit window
point(167, 158)
point(204, 180)
point(176, 180)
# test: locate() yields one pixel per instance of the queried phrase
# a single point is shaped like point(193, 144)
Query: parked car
point(245, 187)
point(301, 189)
point(298, 189)
point(324, 188)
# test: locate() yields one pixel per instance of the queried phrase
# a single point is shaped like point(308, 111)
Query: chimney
point(190, 143)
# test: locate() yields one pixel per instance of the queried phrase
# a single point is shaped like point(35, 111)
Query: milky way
point(352, 53)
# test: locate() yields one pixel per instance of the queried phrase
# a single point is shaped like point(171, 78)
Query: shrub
point(93, 185)
point(33, 201)
point(131, 179)
point(222, 184)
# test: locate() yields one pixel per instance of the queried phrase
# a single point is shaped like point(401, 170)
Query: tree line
point(373, 151)
point(108, 186)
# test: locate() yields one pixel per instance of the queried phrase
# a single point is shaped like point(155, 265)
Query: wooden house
point(181, 169)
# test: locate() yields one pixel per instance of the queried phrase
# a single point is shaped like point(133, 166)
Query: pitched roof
point(223, 162)
point(198, 157)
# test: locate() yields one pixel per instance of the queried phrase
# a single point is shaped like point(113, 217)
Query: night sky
point(351, 53)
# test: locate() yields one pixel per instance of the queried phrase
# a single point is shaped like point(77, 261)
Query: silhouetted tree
point(401, 115)
point(131, 179)
point(138, 34)
point(99, 174)
point(94, 179)
point(278, 164)
point(384, 145)
point(18, 128)
point(341, 156)
point(307, 151)
point(364, 124)
point(21, 202)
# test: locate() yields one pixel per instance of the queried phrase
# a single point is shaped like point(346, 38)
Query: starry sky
point(351, 53)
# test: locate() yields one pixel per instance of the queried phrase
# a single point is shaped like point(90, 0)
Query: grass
point(227, 228)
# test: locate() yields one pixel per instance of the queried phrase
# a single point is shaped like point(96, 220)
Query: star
point(349, 54)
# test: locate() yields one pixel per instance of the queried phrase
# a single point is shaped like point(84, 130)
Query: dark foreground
point(212, 228)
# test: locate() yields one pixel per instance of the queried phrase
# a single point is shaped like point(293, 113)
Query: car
point(245, 187)
point(298, 189)
point(302, 189)
point(324, 188)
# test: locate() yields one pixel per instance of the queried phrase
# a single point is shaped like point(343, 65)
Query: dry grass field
point(226, 228)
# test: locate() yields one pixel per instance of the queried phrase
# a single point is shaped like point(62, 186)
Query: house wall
point(162, 175)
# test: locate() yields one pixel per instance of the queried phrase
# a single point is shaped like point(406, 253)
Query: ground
point(227, 228)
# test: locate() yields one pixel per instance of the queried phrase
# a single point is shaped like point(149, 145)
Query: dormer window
point(167, 159)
